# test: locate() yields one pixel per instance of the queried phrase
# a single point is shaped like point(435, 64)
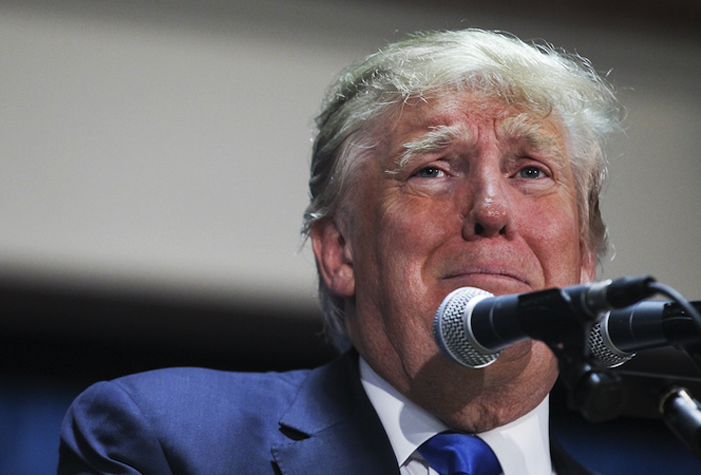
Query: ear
point(334, 258)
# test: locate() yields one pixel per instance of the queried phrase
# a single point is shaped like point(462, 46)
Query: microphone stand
point(564, 322)
point(594, 392)
point(669, 397)
point(601, 394)
point(553, 318)
point(680, 411)
point(682, 415)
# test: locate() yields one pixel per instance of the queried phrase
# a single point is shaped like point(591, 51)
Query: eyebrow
point(438, 138)
point(524, 129)
point(520, 128)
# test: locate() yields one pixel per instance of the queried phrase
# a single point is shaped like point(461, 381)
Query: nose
point(489, 212)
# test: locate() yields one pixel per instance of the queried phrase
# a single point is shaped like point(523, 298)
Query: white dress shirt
point(522, 446)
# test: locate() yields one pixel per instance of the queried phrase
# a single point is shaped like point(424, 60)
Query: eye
point(430, 172)
point(530, 172)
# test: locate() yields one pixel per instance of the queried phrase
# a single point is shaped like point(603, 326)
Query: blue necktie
point(451, 453)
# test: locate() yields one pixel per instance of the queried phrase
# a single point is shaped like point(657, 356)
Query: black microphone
point(643, 326)
point(472, 326)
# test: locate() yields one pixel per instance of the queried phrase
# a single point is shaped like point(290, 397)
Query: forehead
point(461, 116)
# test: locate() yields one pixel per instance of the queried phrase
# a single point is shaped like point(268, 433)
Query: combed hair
point(533, 77)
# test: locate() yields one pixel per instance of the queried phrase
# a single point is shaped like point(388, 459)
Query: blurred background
point(153, 166)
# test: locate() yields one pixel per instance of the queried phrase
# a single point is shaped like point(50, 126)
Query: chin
point(530, 356)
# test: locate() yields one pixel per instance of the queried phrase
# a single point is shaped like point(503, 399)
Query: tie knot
point(452, 453)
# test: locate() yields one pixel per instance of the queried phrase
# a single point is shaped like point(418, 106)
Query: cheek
point(411, 235)
point(553, 235)
point(406, 237)
point(394, 304)
point(418, 224)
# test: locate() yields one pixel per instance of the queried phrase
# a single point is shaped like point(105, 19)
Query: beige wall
point(166, 148)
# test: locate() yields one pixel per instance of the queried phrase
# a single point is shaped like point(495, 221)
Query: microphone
point(643, 326)
point(472, 326)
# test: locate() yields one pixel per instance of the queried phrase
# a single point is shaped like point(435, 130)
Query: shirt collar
point(522, 446)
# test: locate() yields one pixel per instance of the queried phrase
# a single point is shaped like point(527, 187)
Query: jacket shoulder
point(177, 420)
point(181, 387)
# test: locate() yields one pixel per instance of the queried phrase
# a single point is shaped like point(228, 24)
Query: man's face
point(463, 191)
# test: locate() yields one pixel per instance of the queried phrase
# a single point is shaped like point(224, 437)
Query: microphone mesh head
point(451, 333)
point(601, 352)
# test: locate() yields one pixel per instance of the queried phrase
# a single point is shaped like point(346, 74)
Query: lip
point(497, 267)
point(496, 272)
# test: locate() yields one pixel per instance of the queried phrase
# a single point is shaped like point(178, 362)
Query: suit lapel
point(333, 428)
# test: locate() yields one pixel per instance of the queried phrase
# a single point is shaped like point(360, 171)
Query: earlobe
point(333, 257)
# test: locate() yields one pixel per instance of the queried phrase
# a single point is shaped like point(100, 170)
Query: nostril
point(481, 230)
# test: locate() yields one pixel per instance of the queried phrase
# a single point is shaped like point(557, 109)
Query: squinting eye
point(430, 172)
point(530, 172)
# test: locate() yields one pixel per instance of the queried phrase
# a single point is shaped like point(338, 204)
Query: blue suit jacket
point(199, 421)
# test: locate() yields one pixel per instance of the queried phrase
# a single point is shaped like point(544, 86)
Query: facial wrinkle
point(436, 139)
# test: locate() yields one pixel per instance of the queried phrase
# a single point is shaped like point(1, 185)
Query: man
point(448, 160)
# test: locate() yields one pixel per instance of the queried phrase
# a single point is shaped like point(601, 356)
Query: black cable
point(679, 299)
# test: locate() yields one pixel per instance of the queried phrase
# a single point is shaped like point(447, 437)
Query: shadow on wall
point(31, 412)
